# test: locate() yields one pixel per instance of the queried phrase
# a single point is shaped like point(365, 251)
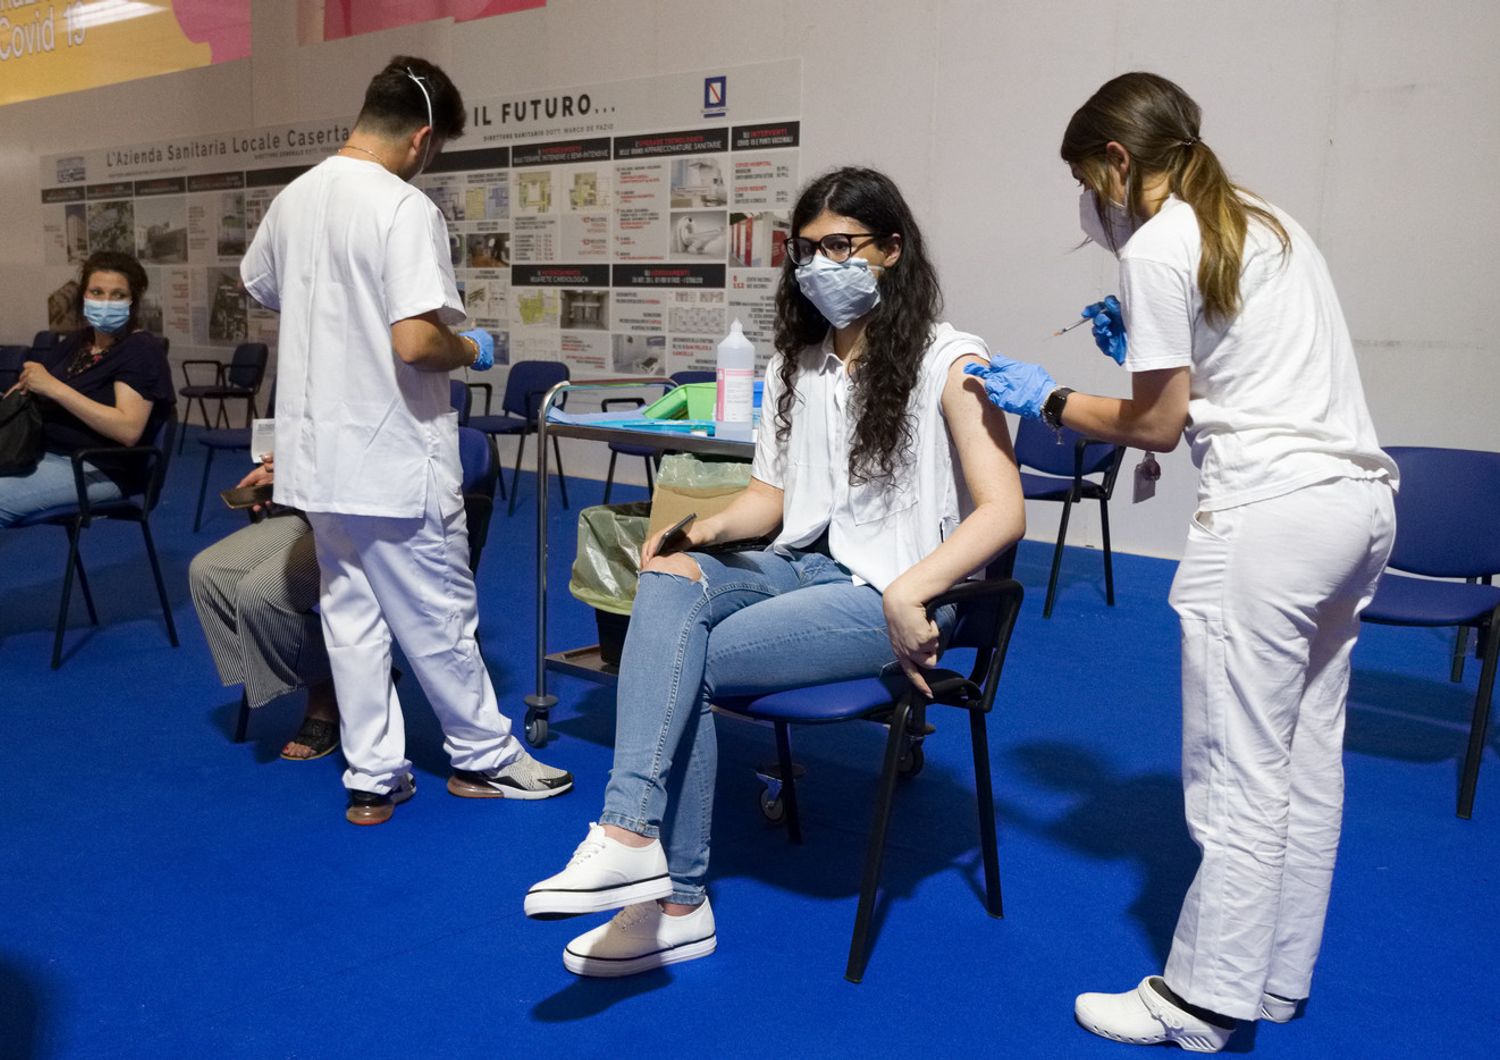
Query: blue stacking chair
point(651, 456)
point(11, 360)
point(525, 387)
point(237, 379)
point(1448, 526)
point(987, 613)
point(137, 508)
point(462, 400)
point(481, 471)
point(225, 440)
point(1065, 459)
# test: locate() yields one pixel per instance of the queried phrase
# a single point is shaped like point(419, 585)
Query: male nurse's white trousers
point(1269, 595)
point(408, 579)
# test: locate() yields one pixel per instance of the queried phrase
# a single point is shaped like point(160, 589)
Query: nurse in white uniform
point(1234, 338)
point(355, 259)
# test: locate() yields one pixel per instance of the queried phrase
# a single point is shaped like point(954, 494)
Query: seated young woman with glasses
point(108, 384)
point(866, 403)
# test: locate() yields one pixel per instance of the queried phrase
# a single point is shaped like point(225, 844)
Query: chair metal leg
point(1057, 554)
point(650, 484)
point(83, 583)
point(788, 782)
point(208, 462)
point(1109, 565)
point(242, 718)
point(859, 945)
point(1479, 726)
point(67, 594)
point(562, 480)
point(515, 476)
point(987, 840)
point(161, 588)
point(609, 476)
point(1460, 647)
point(495, 459)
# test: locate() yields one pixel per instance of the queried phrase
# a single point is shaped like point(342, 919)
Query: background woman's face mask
point(842, 292)
point(106, 315)
point(1120, 225)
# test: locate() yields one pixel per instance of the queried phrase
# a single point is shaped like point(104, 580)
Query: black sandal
point(319, 736)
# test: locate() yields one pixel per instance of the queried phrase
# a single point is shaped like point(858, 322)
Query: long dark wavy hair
point(896, 333)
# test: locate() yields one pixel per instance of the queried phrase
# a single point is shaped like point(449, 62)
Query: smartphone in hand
point(246, 496)
point(675, 536)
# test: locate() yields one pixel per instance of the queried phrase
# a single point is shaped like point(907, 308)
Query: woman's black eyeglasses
point(836, 246)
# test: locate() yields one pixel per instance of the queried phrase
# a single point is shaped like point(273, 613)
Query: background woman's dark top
point(139, 361)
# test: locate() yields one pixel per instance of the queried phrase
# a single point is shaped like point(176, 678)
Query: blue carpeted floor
point(165, 892)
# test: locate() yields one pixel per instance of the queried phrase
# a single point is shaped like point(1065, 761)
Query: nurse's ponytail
point(1157, 122)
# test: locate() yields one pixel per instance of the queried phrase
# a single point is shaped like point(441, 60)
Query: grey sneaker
point(522, 778)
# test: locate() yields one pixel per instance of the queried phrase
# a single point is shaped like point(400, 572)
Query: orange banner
point(47, 48)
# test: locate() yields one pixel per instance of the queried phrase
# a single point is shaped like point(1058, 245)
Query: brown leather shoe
point(368, 807)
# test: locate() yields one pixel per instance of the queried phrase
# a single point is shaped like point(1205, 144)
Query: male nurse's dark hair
point(395, 107)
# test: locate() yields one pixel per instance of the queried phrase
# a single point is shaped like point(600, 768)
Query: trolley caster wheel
point(912, 761)
point(772, 808)
point(536, 729)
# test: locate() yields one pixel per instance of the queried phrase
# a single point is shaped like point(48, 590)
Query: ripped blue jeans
point(757, 622)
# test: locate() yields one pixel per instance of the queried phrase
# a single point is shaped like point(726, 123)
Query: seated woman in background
point(107, 385)
point(866, 403)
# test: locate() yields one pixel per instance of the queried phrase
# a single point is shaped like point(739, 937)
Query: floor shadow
point(1412, 719)
point(22, 1013)
point(586, 998)
point(1137, 818)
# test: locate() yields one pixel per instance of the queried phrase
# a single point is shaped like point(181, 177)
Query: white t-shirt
point(880, 529)
point(345, 251)
point(1276, 402)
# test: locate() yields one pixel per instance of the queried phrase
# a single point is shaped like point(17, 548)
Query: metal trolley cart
point(585, 662)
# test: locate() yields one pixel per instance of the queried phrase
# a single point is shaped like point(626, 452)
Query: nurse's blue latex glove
point(1014, 386)
point(1109, 327)
point(486, 343)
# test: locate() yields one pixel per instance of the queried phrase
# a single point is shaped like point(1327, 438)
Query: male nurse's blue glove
point(486, 343)
point(1109, 327)
point(1014, 386)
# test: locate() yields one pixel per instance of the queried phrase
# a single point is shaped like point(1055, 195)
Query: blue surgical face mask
point(842, 292)
point(107, 316)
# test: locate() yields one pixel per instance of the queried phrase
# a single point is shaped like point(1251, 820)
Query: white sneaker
point(639, 938)
point(1145, 1017)
point(521, 778)
point(602, 874)
point(1277, 1009)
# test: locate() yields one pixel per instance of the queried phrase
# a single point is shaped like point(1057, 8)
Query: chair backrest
point(693, 375)
point(11, 359)
point(528, 383)
point(978, 621)
point(462, 400)
point(1055, 452)
point(1447, 512)
point(166, 436)
point(481, 469)
point(248, 365)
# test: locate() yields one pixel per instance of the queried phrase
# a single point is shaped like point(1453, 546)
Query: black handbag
point(21, 441)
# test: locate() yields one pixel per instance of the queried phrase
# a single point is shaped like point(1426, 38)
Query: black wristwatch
point(1052, 408)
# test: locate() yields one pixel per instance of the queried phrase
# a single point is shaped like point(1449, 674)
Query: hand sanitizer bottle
point(734, 402)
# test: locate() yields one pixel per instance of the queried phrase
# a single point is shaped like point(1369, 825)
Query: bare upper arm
point(1159, 398)
point(981, 437)
point(414, 337)
point(135, 409)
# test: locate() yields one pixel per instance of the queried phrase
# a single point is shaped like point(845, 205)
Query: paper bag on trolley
point(687, 483)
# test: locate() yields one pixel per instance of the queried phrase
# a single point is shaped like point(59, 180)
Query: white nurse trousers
point(1269, 595)
point(408, 579)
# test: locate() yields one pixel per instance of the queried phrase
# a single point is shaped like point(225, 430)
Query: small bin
point(608, 568)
